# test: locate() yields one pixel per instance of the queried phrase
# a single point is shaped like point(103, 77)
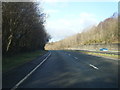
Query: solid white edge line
point(30, 73)
point(93, 66)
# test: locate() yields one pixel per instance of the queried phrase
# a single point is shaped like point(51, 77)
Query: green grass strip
point(105, 55)
point(97, 54)
point(101, 54)
point(9, 63)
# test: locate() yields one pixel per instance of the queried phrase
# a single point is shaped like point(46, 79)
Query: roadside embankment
point(96, 47)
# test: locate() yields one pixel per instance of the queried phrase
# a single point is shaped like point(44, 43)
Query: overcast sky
point(68, 18)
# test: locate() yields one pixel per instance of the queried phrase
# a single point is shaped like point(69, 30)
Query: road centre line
point(93, 66)
point(21, 81)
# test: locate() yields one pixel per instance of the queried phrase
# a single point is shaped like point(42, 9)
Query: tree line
point(23, 27)
point(106, 32)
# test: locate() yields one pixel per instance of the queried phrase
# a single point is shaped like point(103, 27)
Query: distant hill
point(106, 32)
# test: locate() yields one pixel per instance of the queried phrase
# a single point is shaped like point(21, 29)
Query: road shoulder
point(13, 76)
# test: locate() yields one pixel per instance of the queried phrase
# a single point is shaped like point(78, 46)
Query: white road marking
point(21, 81)
point(69, 54)
point(75, 57)
point(93, 66)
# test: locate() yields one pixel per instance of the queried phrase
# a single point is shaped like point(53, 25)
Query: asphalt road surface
point(65, 69)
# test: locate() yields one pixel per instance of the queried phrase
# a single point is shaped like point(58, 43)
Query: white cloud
point(80, 0)
point(64, 27)
point(55, 1)
point(52, 11)
point(87, 20)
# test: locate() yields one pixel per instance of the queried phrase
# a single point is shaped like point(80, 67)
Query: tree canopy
point(22, 27)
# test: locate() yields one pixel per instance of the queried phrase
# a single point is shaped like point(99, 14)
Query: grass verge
point(100, 54)
point(104, 55)
point(9, 63)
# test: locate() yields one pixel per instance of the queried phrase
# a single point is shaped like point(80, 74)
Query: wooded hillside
point(106, 32)
point(22, 27)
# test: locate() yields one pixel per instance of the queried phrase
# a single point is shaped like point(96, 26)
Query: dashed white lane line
point(21, 81)
point(75, 57)
point(93, 66)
